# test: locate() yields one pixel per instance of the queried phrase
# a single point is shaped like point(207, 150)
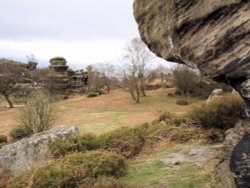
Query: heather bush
point(3, 139)
point(222, 113)
point(92, 94)
point(73, 170)
point(20, 132)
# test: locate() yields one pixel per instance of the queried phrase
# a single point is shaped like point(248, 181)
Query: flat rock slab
point(199, 155)
point(32, 152)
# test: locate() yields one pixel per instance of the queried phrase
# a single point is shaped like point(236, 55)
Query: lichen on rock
point(34, 151)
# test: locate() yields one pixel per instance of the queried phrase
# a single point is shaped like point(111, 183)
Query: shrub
point(214, 135)
point(77, 144)
point(185, 79)
point(166, 116)
point(220, 113)
point(5, 176)
point(92, 94)
point(3, 139)
point(73, 170)
point(20, 132)
point(182, 135)
point(204, 88)
point(102, 182)
point(125, 141)
point(182, 102)
point(38, 114)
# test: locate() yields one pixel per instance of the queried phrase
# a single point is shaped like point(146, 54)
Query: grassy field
point(104, 113)
point(153, 170)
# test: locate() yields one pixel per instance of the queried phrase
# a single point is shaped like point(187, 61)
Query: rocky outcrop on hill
point(32, 152)
point(64, 79)
point(213, 36)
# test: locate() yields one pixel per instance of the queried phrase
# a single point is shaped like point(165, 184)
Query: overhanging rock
point(211, 35)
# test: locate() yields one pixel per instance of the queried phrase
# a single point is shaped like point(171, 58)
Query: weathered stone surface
point(212, 35)
point(29, 152)
point(215, 93)
point(236, 156)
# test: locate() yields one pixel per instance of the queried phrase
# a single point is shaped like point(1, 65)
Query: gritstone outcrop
point(213, 36)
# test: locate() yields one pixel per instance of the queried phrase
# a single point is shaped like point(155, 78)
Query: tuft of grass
point(20, 132)
point(92, 94)
point(3, 139)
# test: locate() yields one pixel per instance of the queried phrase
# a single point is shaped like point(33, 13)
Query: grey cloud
point(66, 20)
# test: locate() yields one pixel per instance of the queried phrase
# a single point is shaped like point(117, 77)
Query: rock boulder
point(32, 152)
point(215, 93)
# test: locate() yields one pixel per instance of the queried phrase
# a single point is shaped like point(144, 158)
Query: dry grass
point(106, 112)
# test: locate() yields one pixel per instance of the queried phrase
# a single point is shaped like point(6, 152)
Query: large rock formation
point(32, 152)
point(211, 35)
point(62, 79)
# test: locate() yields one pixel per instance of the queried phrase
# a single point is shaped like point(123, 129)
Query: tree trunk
point(9, 101)
point(142, 88)
point(138, 94)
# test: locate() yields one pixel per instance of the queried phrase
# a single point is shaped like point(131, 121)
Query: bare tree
point(10, 75)
point(38, 115)
point(106, 71)
point(185, 79)
point(136, 62)
point(162, 71)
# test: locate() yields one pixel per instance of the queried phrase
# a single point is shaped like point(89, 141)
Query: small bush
point(3, 139)
point(182, 135)
point(102, 182)
point(92, 94)
point(20, 132)
point(214, 135)
point(38, 115)
point(125, 141)
point(166, 116)
point(73, 170)
point(182, 102)
point(221, 113)
point(77, 144)
point(5, 176)
point(185, 79)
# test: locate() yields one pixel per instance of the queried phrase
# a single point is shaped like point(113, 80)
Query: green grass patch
point(154, 171)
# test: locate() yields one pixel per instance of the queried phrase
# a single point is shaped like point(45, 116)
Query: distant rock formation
point(65, 79)
point(213, 36)
point(32, 152)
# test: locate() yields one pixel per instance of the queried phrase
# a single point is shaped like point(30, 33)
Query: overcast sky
point(82, 31)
